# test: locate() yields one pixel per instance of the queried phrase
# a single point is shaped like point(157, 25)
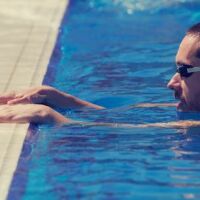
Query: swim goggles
point(186, 70)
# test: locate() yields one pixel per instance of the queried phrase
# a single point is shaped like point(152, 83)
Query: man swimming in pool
point(36, 104)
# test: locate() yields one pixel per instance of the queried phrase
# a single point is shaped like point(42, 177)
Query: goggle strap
point(193, 69)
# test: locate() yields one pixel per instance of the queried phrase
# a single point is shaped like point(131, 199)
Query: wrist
point(59, 99)
point(53, 117)
point(49, 94)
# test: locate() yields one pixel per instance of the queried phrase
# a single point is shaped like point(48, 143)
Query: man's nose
point(175, 81)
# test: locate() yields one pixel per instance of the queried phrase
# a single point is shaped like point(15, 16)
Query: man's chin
point(182, 106)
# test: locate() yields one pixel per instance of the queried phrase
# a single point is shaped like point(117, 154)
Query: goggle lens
point(183, 70)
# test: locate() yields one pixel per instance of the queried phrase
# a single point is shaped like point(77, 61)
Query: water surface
point(114, 53)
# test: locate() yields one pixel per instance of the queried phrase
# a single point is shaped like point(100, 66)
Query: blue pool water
point(115, 53)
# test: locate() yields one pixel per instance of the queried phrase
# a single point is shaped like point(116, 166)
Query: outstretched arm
point(52, 97)
point(25, 113)
point(153, 105)
point(178, 124)
point(41, 114)
point(46, 95)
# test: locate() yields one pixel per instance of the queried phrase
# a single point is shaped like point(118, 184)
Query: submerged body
point(184, 83)
point(187, 89)
point(35, 105)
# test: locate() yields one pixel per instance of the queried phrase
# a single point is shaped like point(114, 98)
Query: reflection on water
point(115, 60)
point(189, 146)
point(100, 162)
point(132, 6)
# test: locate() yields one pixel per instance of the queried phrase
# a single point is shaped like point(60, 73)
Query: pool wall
point(28, 33)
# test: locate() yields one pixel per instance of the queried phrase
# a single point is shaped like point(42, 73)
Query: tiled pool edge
point(41, 33)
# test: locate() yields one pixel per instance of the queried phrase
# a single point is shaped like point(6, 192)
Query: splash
point(132, 6)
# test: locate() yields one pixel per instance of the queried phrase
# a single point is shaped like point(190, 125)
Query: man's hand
point(46, 95)
point(36, 95)
point(25, 113)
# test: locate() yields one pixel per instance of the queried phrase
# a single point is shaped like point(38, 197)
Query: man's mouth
point(181, 105)
point(177, 95)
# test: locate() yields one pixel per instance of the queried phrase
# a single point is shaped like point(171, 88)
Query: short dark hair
point(194, 30)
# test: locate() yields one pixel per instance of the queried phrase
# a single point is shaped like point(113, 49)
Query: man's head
point(187, 89)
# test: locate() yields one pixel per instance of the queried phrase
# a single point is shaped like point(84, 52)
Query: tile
point(27, 39)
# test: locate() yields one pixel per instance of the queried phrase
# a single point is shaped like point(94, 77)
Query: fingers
point(5, 114)
point(13, 114)
point(35, 99)
point(35, 95)
point(22, 100)
point(4, 98)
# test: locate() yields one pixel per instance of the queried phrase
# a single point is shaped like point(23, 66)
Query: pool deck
point(29, 30)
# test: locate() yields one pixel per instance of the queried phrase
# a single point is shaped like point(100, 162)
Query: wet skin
point(187, 89)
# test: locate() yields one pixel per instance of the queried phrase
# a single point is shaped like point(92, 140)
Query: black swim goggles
point(186, 70)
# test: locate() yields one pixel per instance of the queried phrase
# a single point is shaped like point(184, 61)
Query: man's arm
point(178, 124)
point(46, 95)
point(64, 100)
point(33, 113)
point(153, 105)
point(52, 97)
point(41, 114)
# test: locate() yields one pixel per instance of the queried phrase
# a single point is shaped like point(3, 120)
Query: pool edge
point(40, 34)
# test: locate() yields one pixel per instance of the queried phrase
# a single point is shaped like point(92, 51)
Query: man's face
point(187, 89)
